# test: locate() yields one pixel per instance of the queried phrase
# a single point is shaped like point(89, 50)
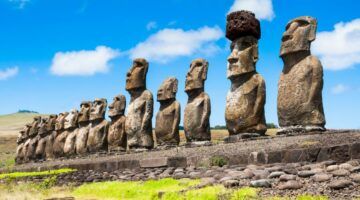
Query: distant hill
point(27, 111)
point(11, 124)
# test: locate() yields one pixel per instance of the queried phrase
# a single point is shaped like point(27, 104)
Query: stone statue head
point(60, 121)
point(243, 57)
point(197, 74)
point(136, 76)
point(35, 126)
point(98, 109)
point(43, 126)
point(299, 34)
point(168, 89)
point(24, 133)
point(117, 107)
point(84, 114)
point(50, 125)
point(71, 120)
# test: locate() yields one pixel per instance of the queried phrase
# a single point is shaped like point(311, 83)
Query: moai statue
point(300, 107)
point(116, 137)
point(33, 134)
point(84, 127)
point(71, 128)
point(138, 125)
point(51, 133)
point(168, 117)
point(40, 148)
point(23, 137)
point(198, 108)
point(244, 113)
point(59, 141)
point(99, 127)
point(27, 139)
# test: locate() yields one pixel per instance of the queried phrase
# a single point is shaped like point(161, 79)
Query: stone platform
point(337, 145)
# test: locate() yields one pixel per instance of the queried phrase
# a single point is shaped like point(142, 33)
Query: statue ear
point(175, 86)
point(122, 103)
point(255, 53)
point(205, 67)
point(312, 31)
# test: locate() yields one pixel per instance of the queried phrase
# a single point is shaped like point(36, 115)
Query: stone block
point(355, 151)
point(153, 162)
point(177, 162)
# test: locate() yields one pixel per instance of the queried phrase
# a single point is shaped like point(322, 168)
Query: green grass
point(133, 190)
point(246, 193)
point(15, 175)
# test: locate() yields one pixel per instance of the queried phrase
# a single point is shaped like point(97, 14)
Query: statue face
point(98, 109)
point(168, 89)
point(35, 126)
point(243, 57)
point(50, 125)
point(60, 121)
point(117, 107)
point(197, 74)
point(298, 36)
point(84, 114)
point(43, 126)
point(136, 77)
point(71, 119)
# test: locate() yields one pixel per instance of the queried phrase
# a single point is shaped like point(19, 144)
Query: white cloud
point(151, 25)
point(20, 3)
point(263, 9)
point(168, 44)
point(8, 73)
point(339, 49)
point(339, 89)
point(84, 62)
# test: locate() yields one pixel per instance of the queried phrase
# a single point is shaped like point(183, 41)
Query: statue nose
point(232, 60)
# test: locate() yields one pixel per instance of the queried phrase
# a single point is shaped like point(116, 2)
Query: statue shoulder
point(259, 79)
point(147, 94)
point(314, 61)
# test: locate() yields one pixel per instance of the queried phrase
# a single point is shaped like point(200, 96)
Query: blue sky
point(54, 54)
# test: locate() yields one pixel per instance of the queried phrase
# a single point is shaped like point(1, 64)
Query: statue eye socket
point(302, 23)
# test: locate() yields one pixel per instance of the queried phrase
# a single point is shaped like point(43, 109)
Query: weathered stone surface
point(300, 105)
point(331, 168)
point(71, 124)
point(276, 174)
point(138, 124)
point(153, 162)
point(346, 166)
point(40, 148)
point(321, 177)
point(260, 183)
point(231, 183)
point(355, 178)
point(340, 172)
point(245, 101)
point(287, 177)
point(22, 148)
point(34, 138)
point(84, 128)
point(242, 23)
point(168, 116)
point(99, 127)
point(306, 174)
point(116, 137)
point(340, 184)
point(59, 135)
point(198, 108)
point(290, 185)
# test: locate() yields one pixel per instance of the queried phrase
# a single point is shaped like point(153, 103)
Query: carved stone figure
point(244, 113)
point(61, 134)
point(84, 127)
point(300, 106)
point(99, 127)
point(116, 137)
point(71, 124)
point(198, 108)
point(168, 117)
point(33, 134)
point(40, 148)
point(138, 125)
point(51, 133)
point(20, 150)
point(25, 148)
